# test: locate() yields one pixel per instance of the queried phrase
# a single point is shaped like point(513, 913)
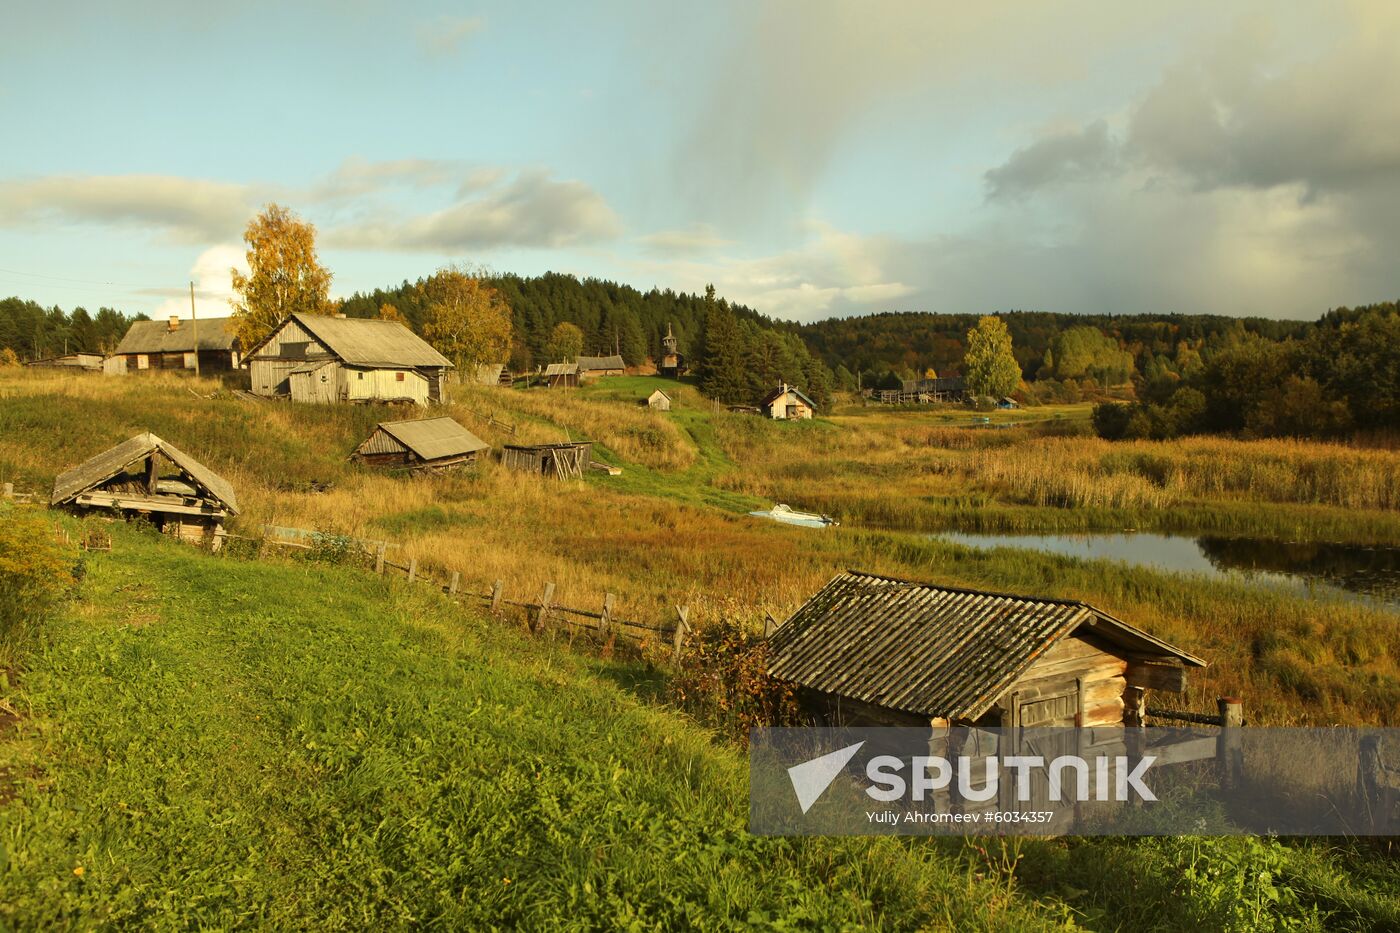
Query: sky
point(811, 159)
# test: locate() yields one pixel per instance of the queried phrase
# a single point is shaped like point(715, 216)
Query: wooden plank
point(170, 504)
point(1150, 676)
point(1183, 750)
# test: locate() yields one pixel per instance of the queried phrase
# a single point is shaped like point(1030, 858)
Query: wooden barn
point(595, 367)
point(326, 359)
point(177, 344)
point(873, 650)
point(788, 403)
point(428, 445)
point(561, 461)
point(561, 375)
point(658, 401)
point(146, 476)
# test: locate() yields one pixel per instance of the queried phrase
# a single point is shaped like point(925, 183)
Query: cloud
point(531, 210)
point(213, 284)
point(696, 238)
point(186, 209)
point(445, 36)
point(1074, 155)
point(830, 272)
point(356, 176)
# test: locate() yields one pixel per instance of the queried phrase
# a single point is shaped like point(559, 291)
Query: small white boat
point(790, 516)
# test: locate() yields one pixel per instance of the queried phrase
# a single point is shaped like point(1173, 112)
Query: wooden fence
point(604, 623)
point(493, 421)
point(7, 492)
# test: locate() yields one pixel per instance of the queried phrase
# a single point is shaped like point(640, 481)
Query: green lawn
point(210, 742)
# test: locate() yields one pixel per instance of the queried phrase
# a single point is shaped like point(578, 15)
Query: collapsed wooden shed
point(427, 444)
point(873, 650)
point(148, 477)
point(558, 460)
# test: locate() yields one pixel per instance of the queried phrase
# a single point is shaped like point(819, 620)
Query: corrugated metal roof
point(156, 336)
point(433, 438)
point(366, 342)
point(932, 650)
point(589, 364)
point(115, 460)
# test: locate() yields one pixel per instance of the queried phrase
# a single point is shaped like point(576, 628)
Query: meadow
point(206, 740)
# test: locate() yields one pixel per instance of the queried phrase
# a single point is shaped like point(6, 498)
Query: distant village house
point(170, 345)
point(658, 401)
point(788, 403)
point(595, 367)
point(326, 359)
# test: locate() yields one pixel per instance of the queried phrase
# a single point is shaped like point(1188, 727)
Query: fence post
point(605, 621)
point(682, 627)
point(496, 597)
point(9, 490)
point(452, 587)
point(545, 600)
point(1230, 754)
point(412, 569)
point(379, 558)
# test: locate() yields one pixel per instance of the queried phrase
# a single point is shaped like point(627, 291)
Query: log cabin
point(872, 650)
point(153, 479)
point(429, 445)
point(177, 344)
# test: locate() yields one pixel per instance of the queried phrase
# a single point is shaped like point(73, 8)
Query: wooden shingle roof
point(433, 438)
point(933, 650)
point(157, 337)
point(116, 460)
point(588, 364)
point(365, 342)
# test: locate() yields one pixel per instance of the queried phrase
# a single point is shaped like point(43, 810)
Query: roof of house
point(220, 333)
point(365, 342)
point(660, 393)
point(561, 369)
point(933, 650)
point(116, 460)
point(433, 438)
point(588, 364)
point(782, 390)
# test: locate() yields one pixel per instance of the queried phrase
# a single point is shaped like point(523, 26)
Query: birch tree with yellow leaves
point(284, 274)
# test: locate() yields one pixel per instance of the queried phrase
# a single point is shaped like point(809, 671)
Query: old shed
point(658, 401)
point(595, 367)
point(873, 650)
point(561, 375)
point(558, 460)
point(428, 444)
point(325, 359)
point(788, 403)
point(146, 476)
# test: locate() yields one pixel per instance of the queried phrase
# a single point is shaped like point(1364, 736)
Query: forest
point(31, 331)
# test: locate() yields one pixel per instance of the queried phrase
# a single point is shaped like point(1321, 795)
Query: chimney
point(174, 322)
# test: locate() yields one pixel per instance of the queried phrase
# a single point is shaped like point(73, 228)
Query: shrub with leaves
point(35, 572)
point(724, 678)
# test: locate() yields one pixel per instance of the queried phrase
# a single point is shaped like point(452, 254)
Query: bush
point(724, 678)
point(35, 573)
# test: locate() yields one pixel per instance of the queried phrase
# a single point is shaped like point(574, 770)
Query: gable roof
point(933, 650)
point(660, 393)
point(433, 438)
point(220, 333)
point(587, 364)
point(561, 369)
point(115, 460)
point(780, 391)
point(364, 342)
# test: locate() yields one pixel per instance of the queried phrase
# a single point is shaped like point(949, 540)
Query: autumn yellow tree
point(466, 319)
point(388, 312)
point(284, 275)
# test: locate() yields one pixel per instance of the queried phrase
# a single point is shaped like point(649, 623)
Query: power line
point(63, 278)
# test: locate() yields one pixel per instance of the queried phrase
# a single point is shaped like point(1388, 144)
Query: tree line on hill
point(32, 332)
point(1339, 375)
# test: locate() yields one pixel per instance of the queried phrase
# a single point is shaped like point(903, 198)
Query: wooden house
point(88, 362)
point(787, 403)
point(325, 359)
point(595, 367)
point(873, 650)
point(177, 344)
point(561, 375)
point(658, 401)
point(427, 444)
point(146, 476)
point(1007, 403)
point(557, 460)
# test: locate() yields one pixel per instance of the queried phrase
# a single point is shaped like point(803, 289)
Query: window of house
point(398, 377)
point(361, 376)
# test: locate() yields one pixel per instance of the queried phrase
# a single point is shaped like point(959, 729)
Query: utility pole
point(194, 330)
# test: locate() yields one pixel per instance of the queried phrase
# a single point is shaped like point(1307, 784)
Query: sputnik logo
point(811, 778)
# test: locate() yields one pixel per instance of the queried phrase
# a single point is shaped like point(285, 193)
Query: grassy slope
point(214, 742)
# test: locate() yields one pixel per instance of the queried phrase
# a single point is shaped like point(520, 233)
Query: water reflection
point(1369, 572)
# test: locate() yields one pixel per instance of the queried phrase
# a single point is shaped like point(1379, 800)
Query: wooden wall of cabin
point(271, 365)
point(359, 385)
point(1078, 676)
